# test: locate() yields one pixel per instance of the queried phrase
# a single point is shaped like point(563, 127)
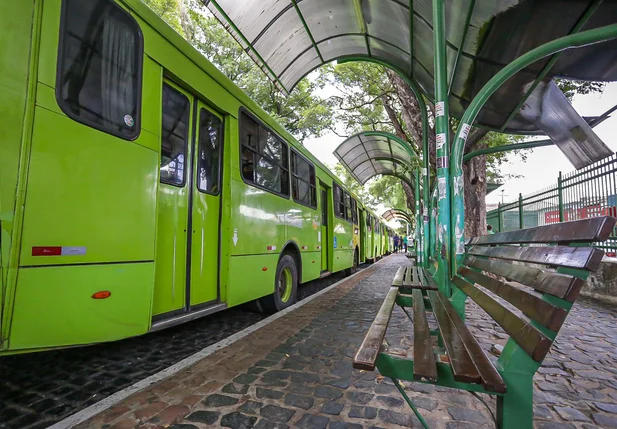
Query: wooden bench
point(539, 296)
point(413, 277)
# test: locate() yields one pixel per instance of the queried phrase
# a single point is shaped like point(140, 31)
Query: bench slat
point(587, 258)
point(408, 276)
point(367, 354)
point(462, 365)
point(560, 285)
point(535, 308)
point(424, 367)
point(398, 277)
point(428, 280)
point(578, 231)
point(416, 279)
point(526, 336)
point(491, 379)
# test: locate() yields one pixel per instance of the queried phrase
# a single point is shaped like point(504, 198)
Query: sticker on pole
point(465, 131)
point(441, 185)
point(440, 140)
point(424, 172)
point(440, 109)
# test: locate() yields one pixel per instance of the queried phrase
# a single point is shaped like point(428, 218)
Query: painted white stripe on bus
point(110, 401)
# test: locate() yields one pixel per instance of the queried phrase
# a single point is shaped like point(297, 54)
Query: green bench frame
point(562, 257)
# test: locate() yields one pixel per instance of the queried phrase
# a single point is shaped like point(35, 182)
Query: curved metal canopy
point(290, 38)
point(396, 214)
point(371, 153)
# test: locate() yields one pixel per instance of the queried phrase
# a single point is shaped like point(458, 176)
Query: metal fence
point(589, 192)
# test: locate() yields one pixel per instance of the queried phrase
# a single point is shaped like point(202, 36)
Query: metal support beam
point(508, 147)
point(551, 62)
point(584, 38)
point(442, 130)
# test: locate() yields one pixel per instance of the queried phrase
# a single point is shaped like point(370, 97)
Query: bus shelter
point(489, 64)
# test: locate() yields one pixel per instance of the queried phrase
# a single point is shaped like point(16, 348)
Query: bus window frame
point(294, 176)
point(221, 148)
point(140, 62)
point(241, 145)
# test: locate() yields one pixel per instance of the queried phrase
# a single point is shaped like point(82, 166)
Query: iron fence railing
point(589, 192)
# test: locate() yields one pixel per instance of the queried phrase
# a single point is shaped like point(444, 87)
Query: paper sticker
point(458, 185)
point(441, 184)
point(425, 211)
point(319, 236)
point(442, 162)
point(439, 109)
point(424, 171)
point(440, 140)
point(465, 131)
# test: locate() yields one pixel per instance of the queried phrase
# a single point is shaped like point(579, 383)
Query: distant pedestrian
point(405, 242)
point(489, 229)
point(396, 240)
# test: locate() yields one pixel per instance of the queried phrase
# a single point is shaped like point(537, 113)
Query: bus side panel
point(303, 226)
point(247, 278)
point(90, 191)
point(54, 305)
point(16, 21)
point(343, 245)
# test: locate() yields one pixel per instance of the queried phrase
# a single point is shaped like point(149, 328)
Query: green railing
point(586, 193)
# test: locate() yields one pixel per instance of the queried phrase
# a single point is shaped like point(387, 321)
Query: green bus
point(140, 188)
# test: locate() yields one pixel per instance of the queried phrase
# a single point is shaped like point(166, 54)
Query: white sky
point(543, 164)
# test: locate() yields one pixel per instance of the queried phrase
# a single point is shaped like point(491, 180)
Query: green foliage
point(358, 102)
point(303, 113)
point(572, 87)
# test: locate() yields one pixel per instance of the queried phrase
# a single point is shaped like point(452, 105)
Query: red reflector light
point(102, 294)
point(46, 250)
point(264, 269)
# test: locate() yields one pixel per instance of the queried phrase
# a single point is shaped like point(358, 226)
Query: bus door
point(324, 226)
point(188, 205)
point(362, 225)
point(205, 214)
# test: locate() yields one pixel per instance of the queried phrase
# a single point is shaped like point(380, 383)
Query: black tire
point(276, 301)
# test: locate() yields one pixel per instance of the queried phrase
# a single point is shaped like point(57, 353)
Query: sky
point(542, 165)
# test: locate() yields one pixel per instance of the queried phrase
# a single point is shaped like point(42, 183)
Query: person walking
point(395, 240)
point(405, 242)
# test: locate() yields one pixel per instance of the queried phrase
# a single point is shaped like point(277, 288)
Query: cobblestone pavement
point(36, 390)
point(296, 372)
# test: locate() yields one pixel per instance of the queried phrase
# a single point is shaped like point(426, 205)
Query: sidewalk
point(296, 372)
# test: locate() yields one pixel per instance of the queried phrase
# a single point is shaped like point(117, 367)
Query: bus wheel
point(285, 286)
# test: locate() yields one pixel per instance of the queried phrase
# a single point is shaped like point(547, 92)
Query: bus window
point(347, 207)
point(354, 211)
point(174, 136)
point(99, 67)
point(264, 157)
point(303, 181)
point(339, 202)
point(209, 156)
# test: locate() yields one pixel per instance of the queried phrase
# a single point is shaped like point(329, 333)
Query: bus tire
point(285, 286)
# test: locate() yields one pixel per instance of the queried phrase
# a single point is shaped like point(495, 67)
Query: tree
point(303, 113)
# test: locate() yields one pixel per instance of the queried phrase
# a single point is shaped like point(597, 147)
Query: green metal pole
point(521, 223)
point(596, 35)
point(418, 238)
point(508, 147)
point(442, 131)
point(499, 222)
point(560, 196)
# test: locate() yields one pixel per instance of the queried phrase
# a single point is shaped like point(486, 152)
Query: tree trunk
point(474, 184)
point(411, 198)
